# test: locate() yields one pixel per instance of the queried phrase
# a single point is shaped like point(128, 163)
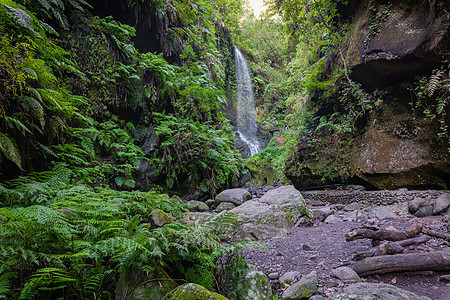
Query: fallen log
point(434, 233)
point(430, 261)
point(386, 248)
point(414, 241)
point(384, 234)
point(390, 248)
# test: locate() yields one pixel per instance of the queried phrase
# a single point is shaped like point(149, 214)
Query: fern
point(434, 82)
point(9, 150)
point(5, 284)
point(22, 18)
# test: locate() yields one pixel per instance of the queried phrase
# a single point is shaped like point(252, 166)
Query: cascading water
point(246, 119)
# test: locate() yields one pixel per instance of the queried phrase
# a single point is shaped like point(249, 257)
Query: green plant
point(431, 96)
point(60, 243)
point(202, 154)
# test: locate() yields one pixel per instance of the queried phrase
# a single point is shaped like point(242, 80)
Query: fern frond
point(9, 150)
point(433, 82)
point(5, 285)
point(34, 107)
point(13, 122)
point(22, 18)
point(45, 4)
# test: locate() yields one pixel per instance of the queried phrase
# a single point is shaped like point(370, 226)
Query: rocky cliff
point(390, 47)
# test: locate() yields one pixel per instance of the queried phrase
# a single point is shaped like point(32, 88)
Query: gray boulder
point(195, 218)
point(225, 206)
point(289, 277)
point(159, 218)
point(271, 216)
point(346, 274)
point(415, 204)
point(289, 200)
point(303, 289)
point(332, 219)
point(374, 291)
point(235, 196)
point(382, 212)
point(352, 206)
point(441, 204)
point(194, 291)
point(424, 211)
point(251, 231)
point(254, 285)
point(194, 205)
point(320, 214)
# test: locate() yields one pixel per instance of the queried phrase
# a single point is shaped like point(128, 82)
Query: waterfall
point(246, 119)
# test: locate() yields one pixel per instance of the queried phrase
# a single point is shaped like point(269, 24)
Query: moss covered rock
point(271, 216)
point(192, 291)
point(254, 285)
point(159, 218)
point(303, 289)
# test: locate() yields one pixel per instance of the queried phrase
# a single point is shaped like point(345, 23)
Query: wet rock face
point(408, 39)
point(392, 44)
point(398, 149)
point(411, 39)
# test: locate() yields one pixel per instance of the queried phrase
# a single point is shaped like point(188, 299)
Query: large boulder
point(192, 291)
point(235, 196)
point(441, 204)
point(303, 289)
point(195, 205)
point(159, 218)
point(272, 215)
point(374, 291)
point(225, 206)
point(195, 218)
point(382, 212)
point(289, 200)
point(346, 274)
point(254, 285)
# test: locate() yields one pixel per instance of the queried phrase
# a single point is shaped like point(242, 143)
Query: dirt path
point(323, 247)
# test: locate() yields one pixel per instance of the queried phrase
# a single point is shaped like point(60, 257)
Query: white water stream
point(246, 119)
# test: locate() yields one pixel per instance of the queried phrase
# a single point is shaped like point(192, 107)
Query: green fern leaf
point(9, 150)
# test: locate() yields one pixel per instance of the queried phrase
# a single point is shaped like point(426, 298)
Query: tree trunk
point(384, 234)
point(433, 261)
point(390, 248)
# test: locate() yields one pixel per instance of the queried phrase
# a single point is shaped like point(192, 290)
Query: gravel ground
point(323, 247)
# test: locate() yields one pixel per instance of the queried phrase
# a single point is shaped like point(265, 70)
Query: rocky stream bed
point(308, 256)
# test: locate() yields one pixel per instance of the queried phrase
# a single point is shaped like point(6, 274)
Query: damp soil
point(323, 247)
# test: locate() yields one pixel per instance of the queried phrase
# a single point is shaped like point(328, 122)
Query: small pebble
point(307, 247)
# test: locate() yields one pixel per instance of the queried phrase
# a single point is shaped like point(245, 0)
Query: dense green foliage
point(93, 130)
point(76, 97)
point(306, 95)
point(109, 76)
point(73, 241)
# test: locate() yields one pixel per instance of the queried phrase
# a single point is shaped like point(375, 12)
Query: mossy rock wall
point(393, 146)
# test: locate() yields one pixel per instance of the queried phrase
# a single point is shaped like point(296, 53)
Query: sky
point(257, 6)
